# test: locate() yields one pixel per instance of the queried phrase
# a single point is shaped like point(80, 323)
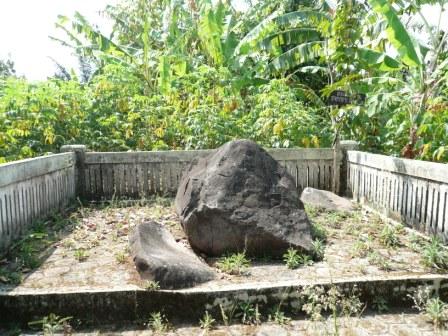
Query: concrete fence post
point(345, 146)
point(80, 155)
point(336, 178)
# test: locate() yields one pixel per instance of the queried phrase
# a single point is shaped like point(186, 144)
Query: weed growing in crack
point(379, 260)
point(318, 231)
point(376, 222)
point(151, 285)
point(335, 218)
point(28, 252)
point(68, 243)
point(93, 241)
point(277, 316)
point(207, 322)
point(351, 228)
point(248, 313)
point(437, 311)
point(421, 296)
point(29, 247)
point(431, 306)
point(121, 257)
point(81, 254)
point(312, 211)
point(389, 236)
point(313, 298)
point(158, 322)
point(53, 324)
point(380, 304)
point(416, 242)
point(435, 255)
point(362, 247)
point(236, 264)
point(316, 300)
point(293, 259)
point(228, 314)
point(318, 249)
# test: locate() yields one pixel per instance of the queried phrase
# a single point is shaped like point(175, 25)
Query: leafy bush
point(113, 112)
point(280, 119)
point(180, 76)
point(39, 118)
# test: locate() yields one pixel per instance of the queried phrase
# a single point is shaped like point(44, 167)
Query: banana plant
point(215, 32)
point(410, 92)
point(317, 40)
point(296, 39)
point(211, 25)
point(87, 41)
point(134, 42)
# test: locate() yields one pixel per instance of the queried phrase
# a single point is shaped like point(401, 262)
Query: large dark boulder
point(158, 257)
point(239, 198)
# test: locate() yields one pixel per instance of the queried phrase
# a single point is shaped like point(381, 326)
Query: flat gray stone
point(325, 199)
point(158, 257)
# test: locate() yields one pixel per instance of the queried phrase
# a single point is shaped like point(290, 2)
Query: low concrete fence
point(140, 174)
point(32, 189)
point(412, 192)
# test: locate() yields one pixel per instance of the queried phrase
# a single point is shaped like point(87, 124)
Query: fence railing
point(31, 189)
point(140, 174)
point(413, 192)
point(410, 191)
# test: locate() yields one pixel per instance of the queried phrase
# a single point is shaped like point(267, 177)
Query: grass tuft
point(235, 264)
point(293, 259)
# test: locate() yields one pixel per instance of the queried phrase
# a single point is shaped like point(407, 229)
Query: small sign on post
point(341, 98)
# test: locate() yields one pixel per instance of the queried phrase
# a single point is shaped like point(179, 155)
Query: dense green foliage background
point(178, 74)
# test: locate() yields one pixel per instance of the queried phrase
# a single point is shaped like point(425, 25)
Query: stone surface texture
point(239, 198)
point(325, 199)
point(158, 257)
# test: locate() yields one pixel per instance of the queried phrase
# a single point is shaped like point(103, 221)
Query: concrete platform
point(106, 288)
point(128, 304)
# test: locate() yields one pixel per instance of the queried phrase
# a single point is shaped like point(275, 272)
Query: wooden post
point(80, 178)
point(345, 145)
